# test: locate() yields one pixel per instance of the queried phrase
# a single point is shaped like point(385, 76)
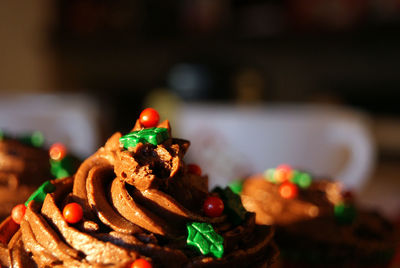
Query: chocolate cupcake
point(136, 202)
point(317, 225)
point(25, 164)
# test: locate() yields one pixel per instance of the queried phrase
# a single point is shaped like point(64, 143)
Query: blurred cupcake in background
point(318, 224)
point(25, 163)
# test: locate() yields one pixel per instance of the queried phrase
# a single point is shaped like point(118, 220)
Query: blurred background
point(81, 69)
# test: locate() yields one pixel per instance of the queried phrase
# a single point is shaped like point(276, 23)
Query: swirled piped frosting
point(136, 203)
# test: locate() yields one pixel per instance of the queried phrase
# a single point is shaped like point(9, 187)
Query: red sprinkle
point(18, 213)
point(288, 190)
point(141, 263)
point(149, 117)
point(194, 169)
point(285, 167)
point(73, 213)
point(57, 151)
point(213, 206)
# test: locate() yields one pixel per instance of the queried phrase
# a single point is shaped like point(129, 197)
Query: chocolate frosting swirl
point(136, 204)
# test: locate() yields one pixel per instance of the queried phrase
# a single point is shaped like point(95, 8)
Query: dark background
point(341, 52)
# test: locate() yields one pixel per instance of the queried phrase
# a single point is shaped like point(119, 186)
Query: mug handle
point(356, 136)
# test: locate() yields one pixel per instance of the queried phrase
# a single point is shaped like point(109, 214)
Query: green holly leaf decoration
point(236, 186)
point(63, 168)
point(154, 135)
point(233, 205)
point(41, 192)
point(202, 236)
point(345, 213)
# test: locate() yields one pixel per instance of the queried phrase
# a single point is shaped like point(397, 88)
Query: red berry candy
point(213, 206)
point(57, 151)
point(73, 213)
point(141, 263)
point(18, 213)
point(288, 190)
point(149, 117)
point(194, 169)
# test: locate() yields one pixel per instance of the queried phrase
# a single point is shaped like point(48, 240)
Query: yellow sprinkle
point(279, 175)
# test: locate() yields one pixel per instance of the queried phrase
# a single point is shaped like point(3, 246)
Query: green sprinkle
point(295, 176)
point(1, 135)
point(236, 186)
point(269, 175)
point(35, 139)
point(304, 180)
point(40, 194)
point(202, 236)
point(154, 135)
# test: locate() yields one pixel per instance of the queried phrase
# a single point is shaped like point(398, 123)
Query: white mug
point(231, 142)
